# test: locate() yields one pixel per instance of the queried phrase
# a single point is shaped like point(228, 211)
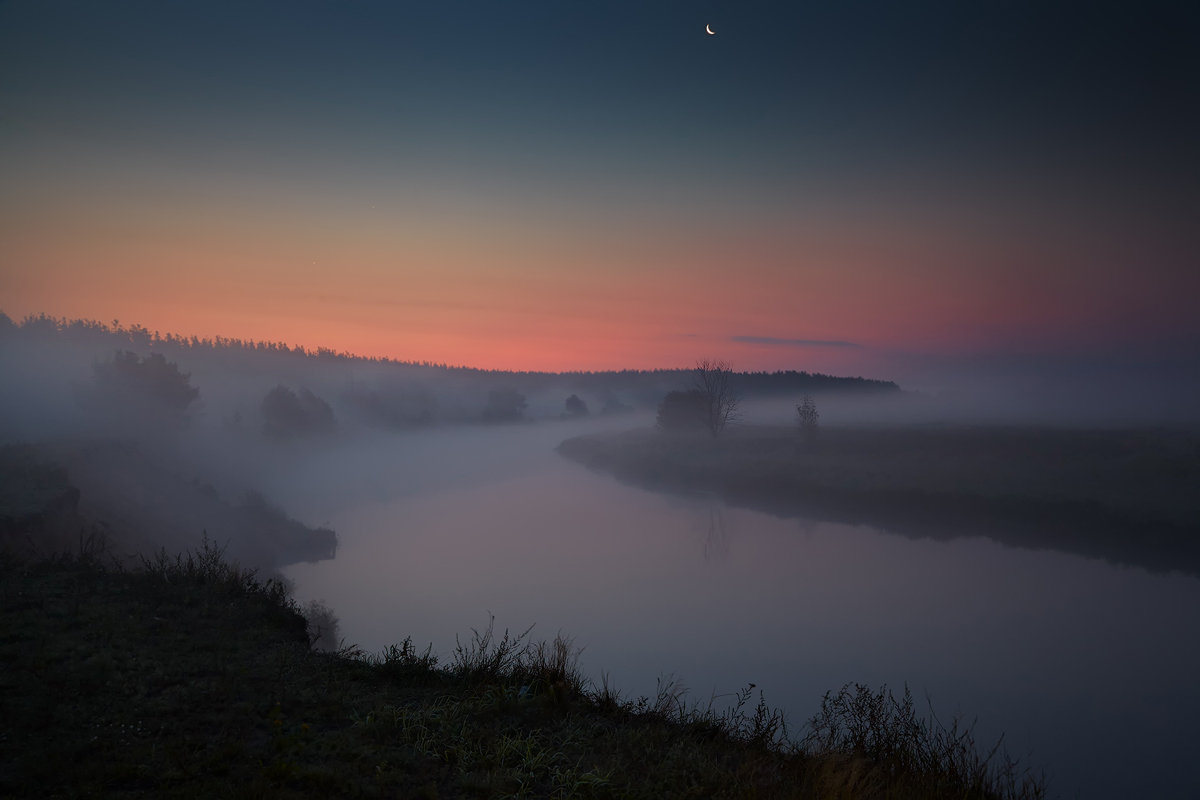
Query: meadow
point(1126, 495)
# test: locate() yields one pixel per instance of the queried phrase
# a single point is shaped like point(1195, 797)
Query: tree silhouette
point(392, 407)
point(146, 385)
point(286, 414)
point(576, 407)
point(611, 404)
point(714, 382)
point(504, 405)
point(809, 416)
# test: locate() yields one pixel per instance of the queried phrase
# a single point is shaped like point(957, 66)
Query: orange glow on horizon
point(505, 294)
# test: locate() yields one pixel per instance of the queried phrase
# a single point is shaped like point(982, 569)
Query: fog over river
point(1087, 668)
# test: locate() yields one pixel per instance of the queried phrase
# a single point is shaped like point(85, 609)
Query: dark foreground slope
point(189, 678)
point(1127, 496)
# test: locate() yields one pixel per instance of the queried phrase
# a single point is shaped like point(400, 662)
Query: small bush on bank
point(910, 754)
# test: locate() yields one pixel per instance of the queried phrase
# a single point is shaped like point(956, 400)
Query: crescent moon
point(708, 29)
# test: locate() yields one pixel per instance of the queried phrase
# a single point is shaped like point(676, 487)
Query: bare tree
point(809, 416)
point(714, 381)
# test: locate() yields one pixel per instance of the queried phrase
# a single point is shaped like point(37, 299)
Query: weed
point(403, 661)
point(764, 726)
point(484, 659)
point(875, 726)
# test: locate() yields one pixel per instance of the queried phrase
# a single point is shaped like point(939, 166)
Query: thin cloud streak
point(773, 341)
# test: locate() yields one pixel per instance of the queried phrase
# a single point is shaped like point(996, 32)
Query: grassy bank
point(190, 677)
point(1127, 496)
point(141, 502)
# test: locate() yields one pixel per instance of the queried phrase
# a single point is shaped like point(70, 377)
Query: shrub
point(504, 405)
point(576, 407)
point(808, 418)
point(287, 414)
point(145, 386)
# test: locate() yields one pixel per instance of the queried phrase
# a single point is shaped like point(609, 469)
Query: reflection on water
point(716, 543)
point(1089, 666)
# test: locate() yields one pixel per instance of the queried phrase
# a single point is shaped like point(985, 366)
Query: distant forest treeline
point(643, 387)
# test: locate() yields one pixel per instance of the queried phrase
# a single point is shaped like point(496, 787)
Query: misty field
point(1126, 495)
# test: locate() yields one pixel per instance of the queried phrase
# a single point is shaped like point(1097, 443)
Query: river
point(1088, 668)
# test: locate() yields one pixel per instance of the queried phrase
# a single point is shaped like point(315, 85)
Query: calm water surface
point(1089, 668)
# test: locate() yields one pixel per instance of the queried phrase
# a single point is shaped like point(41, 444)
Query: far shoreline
point(1122, 495)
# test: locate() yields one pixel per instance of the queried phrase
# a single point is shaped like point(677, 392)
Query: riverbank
point(51, 494)
point(189, 677)
point(1126, 496)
